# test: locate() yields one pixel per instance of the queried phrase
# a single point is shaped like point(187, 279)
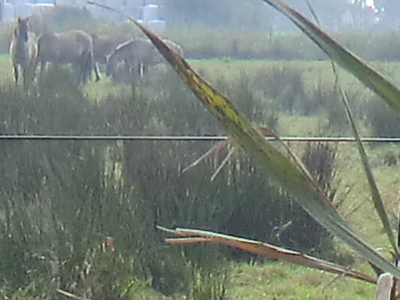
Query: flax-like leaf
point(289, 175)
point(191, 236)
point(346, 59)
point(375, 194)
point(284, 171)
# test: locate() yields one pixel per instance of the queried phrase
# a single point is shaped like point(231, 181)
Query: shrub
point(320, 161)
point(283, 86)
point(390, 158)
point(382, 121)
point(208, 286)
point(242, 93)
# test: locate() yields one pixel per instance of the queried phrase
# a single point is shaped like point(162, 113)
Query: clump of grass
point(208, 285)
point(282, 86)
point(382, 121)
point(320, 161)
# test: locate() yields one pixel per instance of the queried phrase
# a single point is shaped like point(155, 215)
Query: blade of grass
point(349, 61)
point(286, 173)
point(314, 15)
point(223, 163)
point(375, 194)
point(191, 236)
point(213, 149)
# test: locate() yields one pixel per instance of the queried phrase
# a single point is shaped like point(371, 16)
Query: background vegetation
point(61, 201)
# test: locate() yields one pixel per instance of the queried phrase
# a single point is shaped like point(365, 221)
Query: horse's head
point(22, 29)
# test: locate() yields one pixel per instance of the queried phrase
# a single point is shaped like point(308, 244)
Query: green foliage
point(250, 95)
point(208, 286)
point(381, 119)
point(390, 158)
point(320, 161)
point(60, 200)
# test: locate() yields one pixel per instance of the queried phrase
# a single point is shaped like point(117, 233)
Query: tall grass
point(61, 200)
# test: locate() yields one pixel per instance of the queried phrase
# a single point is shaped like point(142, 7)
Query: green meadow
point(120, 189)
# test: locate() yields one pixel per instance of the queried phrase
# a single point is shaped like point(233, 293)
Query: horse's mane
point(125, 44)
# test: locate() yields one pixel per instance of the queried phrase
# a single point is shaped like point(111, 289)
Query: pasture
point(296, 98)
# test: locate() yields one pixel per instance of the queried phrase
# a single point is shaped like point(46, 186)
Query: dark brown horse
point(23, 50)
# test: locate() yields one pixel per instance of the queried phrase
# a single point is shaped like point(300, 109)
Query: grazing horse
point(137, 55)
point(23, 50)
point(73, 47)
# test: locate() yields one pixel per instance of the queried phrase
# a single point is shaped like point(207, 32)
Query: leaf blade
point(256, 145)
point(191, 236)
point(375, 194)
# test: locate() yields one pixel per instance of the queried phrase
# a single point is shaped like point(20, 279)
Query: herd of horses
point(83, 52)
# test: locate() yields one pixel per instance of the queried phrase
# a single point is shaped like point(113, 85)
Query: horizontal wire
point(186, 138)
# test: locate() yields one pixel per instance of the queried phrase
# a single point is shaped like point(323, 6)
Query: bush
point(382, 120)
point(284, 87)
point(390, 158)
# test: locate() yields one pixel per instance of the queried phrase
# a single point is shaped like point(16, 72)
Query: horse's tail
point(90, 63)
point(33, 53)
point(111, 62)
point(94, 64)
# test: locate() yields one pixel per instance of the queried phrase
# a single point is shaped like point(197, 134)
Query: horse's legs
point(16, 74)
point(77, 71)
point(84, 74)
point(142, 69)
point(90, 65)
point(26, 76)
point(33, 67)
point(42, 67)
point(96, 71)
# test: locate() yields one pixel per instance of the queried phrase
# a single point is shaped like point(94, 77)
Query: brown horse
point(23, 50)
point(74, 48)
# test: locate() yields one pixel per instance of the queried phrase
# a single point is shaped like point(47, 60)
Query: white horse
point(137, 55)
point(73, 47)
point(23, 50)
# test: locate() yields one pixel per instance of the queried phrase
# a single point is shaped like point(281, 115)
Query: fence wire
point(187, 138)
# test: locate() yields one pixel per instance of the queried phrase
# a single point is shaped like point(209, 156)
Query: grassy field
point(277, 280)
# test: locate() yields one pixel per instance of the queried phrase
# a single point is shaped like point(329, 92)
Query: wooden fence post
point(384, 287)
